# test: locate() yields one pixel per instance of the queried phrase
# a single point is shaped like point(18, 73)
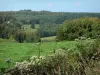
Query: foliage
point(88, 27)
point(45, 19)
point(48, 21)
point(8, 25)
point(22, 36)
point(89, 50)
point(38, 17)
point(33, 25)
point(48, 29)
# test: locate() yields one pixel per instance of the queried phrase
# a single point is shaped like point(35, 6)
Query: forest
point(12, 22)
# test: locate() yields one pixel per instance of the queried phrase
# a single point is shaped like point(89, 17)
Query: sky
point(51, 5)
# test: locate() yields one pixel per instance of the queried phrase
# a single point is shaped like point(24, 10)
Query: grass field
point(52, 38)
point(27, 28)
point(21, 51)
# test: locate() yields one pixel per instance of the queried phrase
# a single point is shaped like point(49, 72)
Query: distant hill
point(48, 22)
point(28, 16)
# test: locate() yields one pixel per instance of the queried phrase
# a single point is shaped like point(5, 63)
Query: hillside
point(48, 21)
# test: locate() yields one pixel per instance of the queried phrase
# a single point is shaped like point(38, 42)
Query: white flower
point(33, 57)
point(42, 57)
point(76, 39)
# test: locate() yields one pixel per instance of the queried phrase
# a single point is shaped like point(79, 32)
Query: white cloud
point(78, 3)
point(50, 5)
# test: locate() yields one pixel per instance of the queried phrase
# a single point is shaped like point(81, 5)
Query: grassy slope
point(27, 28)
point(21, 51)
point(52, 38)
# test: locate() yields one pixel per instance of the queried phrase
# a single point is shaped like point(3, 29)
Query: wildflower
point(33, 57)
point(42, 57)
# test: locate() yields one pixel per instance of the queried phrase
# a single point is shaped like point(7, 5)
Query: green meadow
point(22, 51)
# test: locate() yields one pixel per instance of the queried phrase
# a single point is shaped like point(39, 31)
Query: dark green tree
point(20, 36)
point(87, 27)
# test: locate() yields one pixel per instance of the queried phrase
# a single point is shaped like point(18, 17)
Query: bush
point(20, 36)
point(88, 27)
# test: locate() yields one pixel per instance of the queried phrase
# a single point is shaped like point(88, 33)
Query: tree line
point(47, 20)
point(10, 27)
point(49, 23)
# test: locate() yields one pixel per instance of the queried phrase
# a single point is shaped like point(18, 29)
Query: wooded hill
point(49, 22)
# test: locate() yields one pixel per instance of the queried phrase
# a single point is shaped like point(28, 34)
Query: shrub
point(87, 26)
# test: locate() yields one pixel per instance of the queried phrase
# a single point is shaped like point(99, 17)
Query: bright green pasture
point(21, 51)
